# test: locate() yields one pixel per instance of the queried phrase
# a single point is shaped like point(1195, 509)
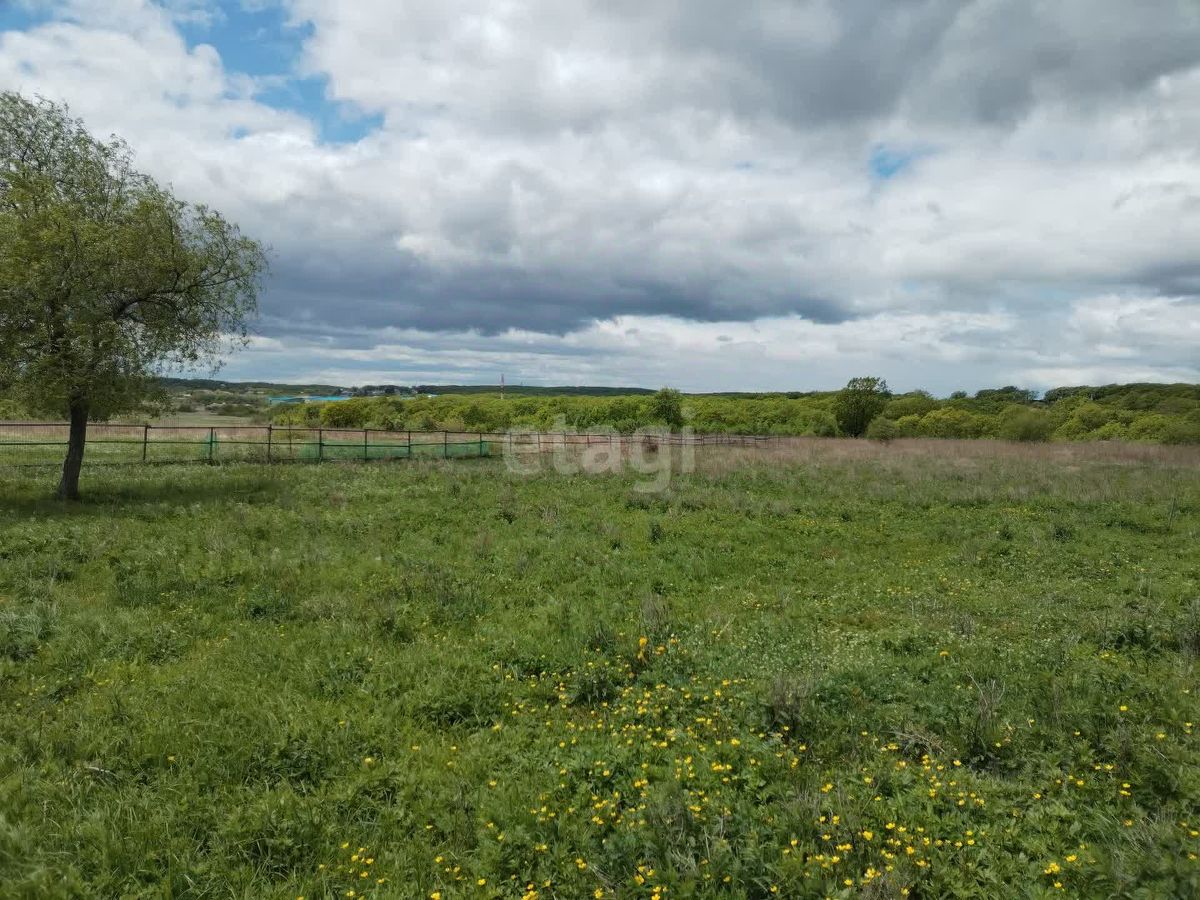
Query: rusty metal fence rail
point(44, 443)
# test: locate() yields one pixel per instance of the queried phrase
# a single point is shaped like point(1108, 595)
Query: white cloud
point(674, 184)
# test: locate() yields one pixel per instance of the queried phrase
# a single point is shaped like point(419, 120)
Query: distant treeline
point(177, 385)
point(1163, 413)
point(524, 390)
point(180, 385)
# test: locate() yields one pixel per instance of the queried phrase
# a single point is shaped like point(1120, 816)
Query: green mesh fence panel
point(193, 444)
point(352, 450)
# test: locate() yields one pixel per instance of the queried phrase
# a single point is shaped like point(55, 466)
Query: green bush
point(1110, 431)
point(11, 409)
point(1149, 428)
point(346, 413)
point(1025, 424)
point(915, 404)
point(953, 423)
point(882, 430)
point(1181, 432)
point(1084, 419)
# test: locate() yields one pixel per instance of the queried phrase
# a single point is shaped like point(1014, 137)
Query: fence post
point(212, 441)
point(408, 454)
point(320, 444)
point(365, 453)
point(270, 428)
point(481, 443)
point(445, 445)
point(145, 440)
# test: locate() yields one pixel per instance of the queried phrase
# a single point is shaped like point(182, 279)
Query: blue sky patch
point(19, 17)
point(887, 162)
point(336, 123)
point(262, 43)
point(254, 42)
point(266, 45)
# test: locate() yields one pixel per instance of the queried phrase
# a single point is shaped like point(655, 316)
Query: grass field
point(922, 670)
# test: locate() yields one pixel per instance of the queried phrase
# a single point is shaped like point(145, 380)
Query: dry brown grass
point(789, 450)
point(969, 470)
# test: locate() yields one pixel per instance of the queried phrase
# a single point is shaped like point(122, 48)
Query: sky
point(760, 195)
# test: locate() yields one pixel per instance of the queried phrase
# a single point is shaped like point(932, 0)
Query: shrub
point(915, 404)
point(1110, 431)
point(1024, 424)
point(953, 423)
point(345, 413)
point(1085, 418)
point(1181, 431)
point(10, 409)
point(822, 424)
point(882, 430)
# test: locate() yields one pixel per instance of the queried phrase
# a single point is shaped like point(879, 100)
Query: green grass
point(836, 674)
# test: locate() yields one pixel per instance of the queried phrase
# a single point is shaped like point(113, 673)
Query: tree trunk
point(68, 487)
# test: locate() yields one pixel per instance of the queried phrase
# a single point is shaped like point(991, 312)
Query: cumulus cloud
point(776, 194)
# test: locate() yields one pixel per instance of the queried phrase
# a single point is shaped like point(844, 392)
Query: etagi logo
point(657, 453)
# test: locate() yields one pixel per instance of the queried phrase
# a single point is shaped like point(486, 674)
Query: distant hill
point(530, 390)
point(176, 385)
point(238, 387)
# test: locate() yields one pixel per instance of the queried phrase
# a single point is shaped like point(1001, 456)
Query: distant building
point(305, 398)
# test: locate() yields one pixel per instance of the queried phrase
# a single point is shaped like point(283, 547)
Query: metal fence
point(37, 443)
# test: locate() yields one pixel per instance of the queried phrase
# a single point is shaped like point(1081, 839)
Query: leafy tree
point(106, 277)
point(667, 406)
point(860, 401)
